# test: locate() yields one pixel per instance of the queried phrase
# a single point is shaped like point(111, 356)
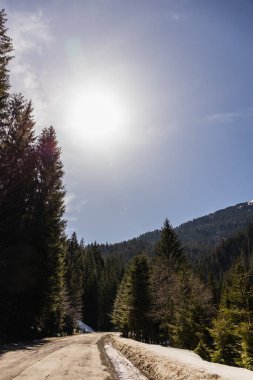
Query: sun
point(98, 115)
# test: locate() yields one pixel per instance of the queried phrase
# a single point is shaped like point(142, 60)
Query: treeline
point(91, 285)
point(161, 300)
point(32, 239)
point(199, 236)
point(47, 282)
point(208, 309)
point(127, 249)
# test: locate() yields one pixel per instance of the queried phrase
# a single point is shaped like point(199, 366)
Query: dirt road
point(68, 358)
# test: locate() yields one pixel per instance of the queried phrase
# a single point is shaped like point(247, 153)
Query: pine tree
point(120, 308)
point(93, 265)
point(49, 232)
point(32, 241)
point(5, 57)
point(74, 281)
point(138, 285)
point(192, 313)
point(111, 277)
point(19, 262)
point(130, 312)
point(181, 303)
point(167, 264)
point(169, 247)
point(18, 170)
point(232, 329)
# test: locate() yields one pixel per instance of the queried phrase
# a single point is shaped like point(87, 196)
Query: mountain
point(198, 235)
point(207, 231)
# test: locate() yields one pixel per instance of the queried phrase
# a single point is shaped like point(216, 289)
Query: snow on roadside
point(189, 357)
point(124, 369)
point(165, 363)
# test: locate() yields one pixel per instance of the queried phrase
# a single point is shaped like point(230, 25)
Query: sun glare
point(98, 116)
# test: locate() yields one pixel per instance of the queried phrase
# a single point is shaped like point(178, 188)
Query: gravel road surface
point(67, 358)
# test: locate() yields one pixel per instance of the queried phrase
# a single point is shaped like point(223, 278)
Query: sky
point(152, 103)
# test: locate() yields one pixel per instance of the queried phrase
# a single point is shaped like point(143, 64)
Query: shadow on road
point(29, 345)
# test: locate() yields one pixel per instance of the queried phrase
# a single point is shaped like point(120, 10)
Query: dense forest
point(191, 287)
point(47, 281)
point(198, 236)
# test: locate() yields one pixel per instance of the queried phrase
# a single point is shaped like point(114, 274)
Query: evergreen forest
point(190, 287)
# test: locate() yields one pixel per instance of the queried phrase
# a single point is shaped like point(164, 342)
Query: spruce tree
point(19, 262)
point(181, 303)
point(169, 247)
point(138, 287)
point(32, 241)
point(167, 264)
point(111, 277)
point(49, 232)
point(131, 307)
point(193, 312)
point(74, 281)
point(232, 329)
point(93, 265)
point(120, 308)
point(18, 169)
point(5, 57)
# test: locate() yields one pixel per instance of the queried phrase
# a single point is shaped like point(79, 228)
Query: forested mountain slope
point(206, 307)
point(237, 248)
point(197, 235)
point(209, 230)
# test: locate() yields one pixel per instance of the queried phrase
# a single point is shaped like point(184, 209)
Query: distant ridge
point(200, 234)
point(212, 228)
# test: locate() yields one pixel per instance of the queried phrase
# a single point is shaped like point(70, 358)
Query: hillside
point(210, 229)
point(200, 234)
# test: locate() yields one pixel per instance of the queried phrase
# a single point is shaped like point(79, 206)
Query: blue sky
point(176, 106)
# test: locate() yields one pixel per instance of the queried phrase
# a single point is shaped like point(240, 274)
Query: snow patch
point(189, 357)
point(167, 363)
point(124, 369)
point(85, 328)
